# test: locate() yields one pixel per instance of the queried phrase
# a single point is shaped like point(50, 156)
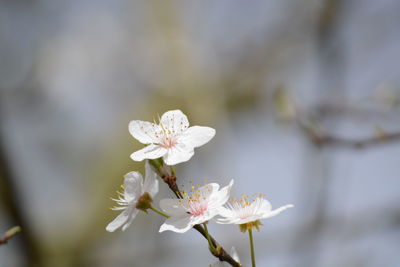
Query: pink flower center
point(197, 208)
point(168, 142)
point(197, 203)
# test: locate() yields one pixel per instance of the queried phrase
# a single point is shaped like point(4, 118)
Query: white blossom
point(199, 206)
point(244, 211)
point(171, 139)
point(134, 189)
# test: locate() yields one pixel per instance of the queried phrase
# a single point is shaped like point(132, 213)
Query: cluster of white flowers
point(174, 141)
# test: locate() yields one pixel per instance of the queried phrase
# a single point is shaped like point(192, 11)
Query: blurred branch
point(10, 234)
point(354, 110)
point(170, 180)
point(320, 138)
point(286, 110)
point(10, 198)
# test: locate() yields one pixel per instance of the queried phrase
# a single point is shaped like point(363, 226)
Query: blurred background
point(304, 96)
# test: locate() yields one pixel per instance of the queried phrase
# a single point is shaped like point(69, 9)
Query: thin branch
point(9, 196)
point(287, 110)
point(170, 180)
point(10, 234)
point(320, 138)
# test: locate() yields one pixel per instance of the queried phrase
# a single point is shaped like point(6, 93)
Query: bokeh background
point(304, 96)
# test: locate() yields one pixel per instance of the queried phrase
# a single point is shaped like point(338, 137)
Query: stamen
point(197, 201)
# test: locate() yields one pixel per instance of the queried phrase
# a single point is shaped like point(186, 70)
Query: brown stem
point(170, 180)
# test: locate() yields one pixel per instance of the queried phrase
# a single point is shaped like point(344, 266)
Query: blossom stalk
point(253, 258)
point(159, 212)
point(210, 244)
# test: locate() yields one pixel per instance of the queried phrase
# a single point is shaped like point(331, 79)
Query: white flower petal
point(174, 207)
point(177, 154)
point(229, 217)
point(178, 224)
point(132, 216)
point(149, 152)
point(224, 212)
point(196, 136)
point(226, 220)
point(222, 196)
point(119, 220)
point(133, 183)
point(208, 189)
point(261, 205)
point(150, 184)
point(209, 214)
point(252, 218)
point(174, 121)
point(144, 131)
point(276, 211)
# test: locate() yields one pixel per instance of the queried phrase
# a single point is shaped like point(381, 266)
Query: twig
point(320, 138)
point(9, 234)
point(287, 110)
point(170, 180)
point(9, 196)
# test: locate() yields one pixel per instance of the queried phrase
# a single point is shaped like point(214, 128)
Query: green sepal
point(250, 225)
point(144, 202)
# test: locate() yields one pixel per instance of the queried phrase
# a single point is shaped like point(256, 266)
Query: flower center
point(144, 202)
point(168, 141)
point(197, 201)
point(244, 207)
point(197, 208)
point(166, 137)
